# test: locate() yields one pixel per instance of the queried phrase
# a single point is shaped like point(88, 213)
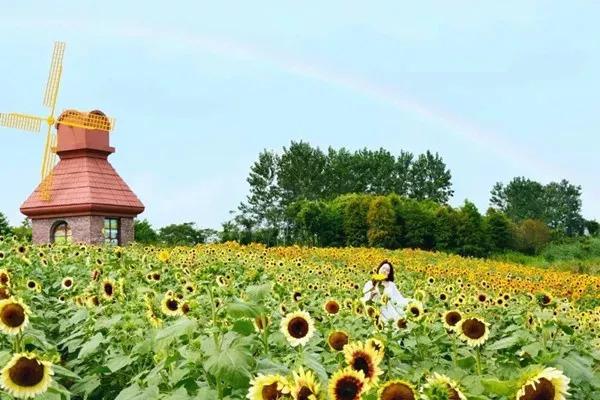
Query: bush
point(532, 235)
point(381, 220)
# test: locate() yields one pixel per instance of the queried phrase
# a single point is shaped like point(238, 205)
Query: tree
point(498, 230)
point(470, 235)
point(263, 204)
point(23, 232)
point(144, 233)
point(4, 225)
point(181, 234)
point(446, 229)
point(593, 227)
point(563, 207)
point(521, 199)
point(532, 236)
point(301, 173)
point(355, 209)
point(430, 179)
point(381, 220)
point(417, 223)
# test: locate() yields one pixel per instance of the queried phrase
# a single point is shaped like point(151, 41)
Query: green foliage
point(471, 240)
point(23, 232)
point(355, 223)
point(593, 227)
point(381, 220)
point(181, 234)
point(532, 236)
point(499, 231)
point(4, 225)
point(558, 204)
point(144, 233)
point(430, 179)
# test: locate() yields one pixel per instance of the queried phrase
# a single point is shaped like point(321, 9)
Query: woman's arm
point(396, 297)
point(369, 290)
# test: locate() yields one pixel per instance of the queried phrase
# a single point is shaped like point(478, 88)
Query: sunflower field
point(225, 321)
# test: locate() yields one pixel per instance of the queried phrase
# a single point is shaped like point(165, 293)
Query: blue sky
point(499, 89)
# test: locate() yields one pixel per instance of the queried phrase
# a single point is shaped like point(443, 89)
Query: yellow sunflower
point(331, 307)
point(473, 330)
point(397, 390)
point(298, 327)
point(170, 306)
point(4, 277)
point(437, 384)
point(67, 283)
point(260, 323)
point(14, 316)
point(377, 346)
point(26, 376)
point(305, 386)
point(337, 340)
point(544, 384)
point(365, 359)
point(268, 387)
point(451, 319)
point(347, 384)
point(108, 289)
point(415, 311)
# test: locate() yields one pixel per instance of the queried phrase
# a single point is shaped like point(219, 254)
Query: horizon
point(212, 95)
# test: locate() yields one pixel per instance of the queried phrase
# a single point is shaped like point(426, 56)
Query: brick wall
point(84, 229)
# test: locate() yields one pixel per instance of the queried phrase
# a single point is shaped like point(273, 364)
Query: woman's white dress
point(394, 309)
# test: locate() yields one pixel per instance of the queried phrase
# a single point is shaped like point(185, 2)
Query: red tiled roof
point(84, 185)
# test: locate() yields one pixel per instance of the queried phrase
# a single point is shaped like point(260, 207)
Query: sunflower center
point(172, 304)
point(397, 391)
point(338, 340)
point(544, 390)
point(347, 388)
point(27, 372)
point(13, 315)
point(452, 394)
point(3, 278)
point(298, 327)
point(270, 392)
point(415, 311)
point(473, 328)
point(332, 307)
point(361, 363)
point(108, 289)
point(68, 283)
point(452, 318)
point(31, 284)
point(304, 393)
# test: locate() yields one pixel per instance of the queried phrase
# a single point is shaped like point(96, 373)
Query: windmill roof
point(84, 185)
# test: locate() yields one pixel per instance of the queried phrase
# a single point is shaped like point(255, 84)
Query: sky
point(198, 89)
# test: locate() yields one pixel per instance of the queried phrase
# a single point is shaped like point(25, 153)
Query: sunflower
point(164, 256)
point(365, 359)
point(346, 384)
point(546, 384)
point(451, 319)
point(415, 310)
point(170, 306)
point(297, 295)
point(4, 293)
point(108, 289)
point(260, 323)
point(33, 285)
point(4, 277)
point(221, 281)
point(378, 277)
point(473, 330)
point(440, 386)
point(92, 301)
point(337, 340)
point(298, 327)
point(268, 387)
point(331, 307)
point(67, 283)
point(26, 376)
point(397, 390)
point(305, 385)
point(14, 316)
point(377, 346)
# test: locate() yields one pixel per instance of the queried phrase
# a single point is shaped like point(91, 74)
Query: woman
point(374, 290)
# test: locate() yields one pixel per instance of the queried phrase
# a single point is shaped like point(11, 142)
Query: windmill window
point(61, 233)
point(111, 231)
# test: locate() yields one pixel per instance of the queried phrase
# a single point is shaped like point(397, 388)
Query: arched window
point(61, 233)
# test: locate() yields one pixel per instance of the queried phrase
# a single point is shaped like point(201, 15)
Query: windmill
point(94, 120)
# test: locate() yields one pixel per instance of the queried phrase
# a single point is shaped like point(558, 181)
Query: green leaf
point(257, 293)
point(118, 362)
point(496, 386)
point(231, 364)
point(533, 349)
point(243, 310)
point(181, 327)
point(58, 370)
point(130, 392)
point(91, 345)
point(504, 343)
point(466, 362)
point(243, 327)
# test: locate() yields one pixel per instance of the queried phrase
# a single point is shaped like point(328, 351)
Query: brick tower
point(90, 202)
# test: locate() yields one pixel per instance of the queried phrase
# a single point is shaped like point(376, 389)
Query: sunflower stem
point(478, 355)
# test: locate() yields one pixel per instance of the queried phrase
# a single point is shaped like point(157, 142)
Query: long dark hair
point(390, 277)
